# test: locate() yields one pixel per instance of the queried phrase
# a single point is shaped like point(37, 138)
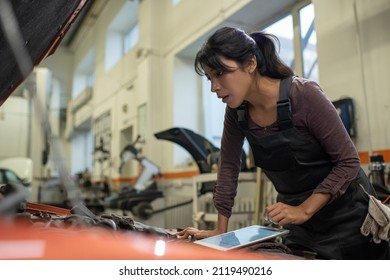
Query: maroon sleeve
point(315, 113)
point(229, 164)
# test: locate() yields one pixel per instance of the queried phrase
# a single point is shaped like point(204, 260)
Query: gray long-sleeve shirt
point(315, 116)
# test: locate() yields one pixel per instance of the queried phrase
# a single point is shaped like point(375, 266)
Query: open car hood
point(29, 32)
point(198, 146)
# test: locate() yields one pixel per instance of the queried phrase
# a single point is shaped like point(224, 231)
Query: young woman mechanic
point(299, 141)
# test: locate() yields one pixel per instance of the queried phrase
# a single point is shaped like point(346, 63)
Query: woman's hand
point(283, 214)
point(195, 234)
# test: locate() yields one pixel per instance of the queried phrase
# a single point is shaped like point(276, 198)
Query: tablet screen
point(241, 237)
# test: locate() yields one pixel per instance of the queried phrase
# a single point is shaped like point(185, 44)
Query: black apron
point(296, 164)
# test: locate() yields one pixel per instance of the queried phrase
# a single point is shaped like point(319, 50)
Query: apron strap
point(283, 108)
point(242, 114)
point(284, 105)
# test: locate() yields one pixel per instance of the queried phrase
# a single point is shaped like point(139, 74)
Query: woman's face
point(230, 86)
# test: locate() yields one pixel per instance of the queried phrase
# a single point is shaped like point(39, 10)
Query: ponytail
point(268, 60)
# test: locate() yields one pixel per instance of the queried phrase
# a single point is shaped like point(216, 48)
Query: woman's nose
point(214, 86)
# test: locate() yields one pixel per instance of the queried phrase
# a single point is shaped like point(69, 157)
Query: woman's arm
point(284, 214)
point(227, 181)
point(315, 113)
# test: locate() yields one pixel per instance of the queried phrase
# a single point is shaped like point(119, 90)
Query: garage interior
point(113, 124)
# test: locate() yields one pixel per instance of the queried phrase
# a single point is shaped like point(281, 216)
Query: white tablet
point(241, 237)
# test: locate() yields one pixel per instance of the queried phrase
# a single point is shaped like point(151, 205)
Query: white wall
point(14, 126)
point(185, 103)
point(148, 70)
point(152, 72)
point(354, 61)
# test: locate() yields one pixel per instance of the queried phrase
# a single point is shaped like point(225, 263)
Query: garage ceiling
point(251, 17)
point(255, 14)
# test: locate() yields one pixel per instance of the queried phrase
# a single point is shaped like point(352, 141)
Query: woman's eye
point(220, 73)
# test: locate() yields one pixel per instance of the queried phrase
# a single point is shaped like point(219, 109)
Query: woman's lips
point(224, 98)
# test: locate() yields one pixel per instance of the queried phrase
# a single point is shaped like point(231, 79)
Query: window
point(175, 2)
point(214, 111)
point(81, 140)
point(84, 75)
point(122, 34)
point(82, 148)
point(283, 29)
point(91, 79)
point(308, 43)
point(131, 38)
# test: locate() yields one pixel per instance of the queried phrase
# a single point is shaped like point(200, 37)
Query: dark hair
point(233, 43)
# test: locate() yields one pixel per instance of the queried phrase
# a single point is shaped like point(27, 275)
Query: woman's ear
point(251, 64)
